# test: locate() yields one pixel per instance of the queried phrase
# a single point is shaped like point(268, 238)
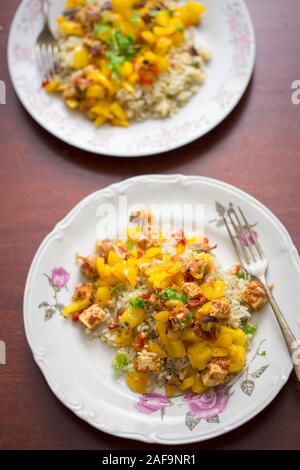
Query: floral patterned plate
point(79, 371)
point(226, 31)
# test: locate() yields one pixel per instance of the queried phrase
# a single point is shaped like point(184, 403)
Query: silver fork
point(46, 47)
point(255, 263)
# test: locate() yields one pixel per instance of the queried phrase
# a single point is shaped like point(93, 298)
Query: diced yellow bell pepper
point(163, 45)
point(148, 37)
point(198, 386)
point(99, 77)
point(70, 4)
point(133, 79)
point(170, 390)
point(103, 296)
point(186, 384)
point(219, 352)
point(81, 58)
point(51, 87)
point(199, 355)
point(188, 335)
point(72, 104)
point(164, 31)
point(75, 307)
point(131, 274)
point(175, 348)
point(126, 69)
point(156, 348)
point(153, 252)
point(71, 28)
point(95, 91)
point(237, 356)
point(137, 380)
point(213, 290)
point(113, 258)
point(163, 65)
point(100, 120)
point(162, 18)
point(132, 317)
point(124, 339)
point(162, 316)
point(162, 331)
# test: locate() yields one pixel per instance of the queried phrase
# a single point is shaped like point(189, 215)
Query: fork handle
point(45, 8)
point(291, 341)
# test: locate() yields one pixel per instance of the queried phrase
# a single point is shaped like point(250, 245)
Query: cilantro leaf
point(137, 302)
point(250, 329)
point(99, 28)
point(172, 294)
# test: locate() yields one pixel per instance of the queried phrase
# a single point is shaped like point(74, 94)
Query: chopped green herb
point(169, 96)
point(99, 28)
point(180, 29)
point(190, 316)
point(171, 294)
point(135, 18)
point(137, 302)
point(130, 245)
point(249, 329)
point(117, 288)
point(263, 353)
point(196, 65)
point(120, 362)
point(241, 274)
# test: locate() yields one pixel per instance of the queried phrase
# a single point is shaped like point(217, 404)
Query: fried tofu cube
point(254, 295)
point(147, 361)
point(83, 291)
point(92, 317)
point(215, 373)
point(88, 266)
point(191, 289)
point(220, 309)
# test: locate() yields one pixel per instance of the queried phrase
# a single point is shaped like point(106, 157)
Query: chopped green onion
point(249, 329)
point(241, 274)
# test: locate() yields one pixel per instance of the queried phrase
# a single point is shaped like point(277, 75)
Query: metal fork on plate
point(254, 262)
point(46, 48)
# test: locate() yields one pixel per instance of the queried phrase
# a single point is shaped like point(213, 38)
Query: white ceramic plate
point(79, 371)
point(226, 31)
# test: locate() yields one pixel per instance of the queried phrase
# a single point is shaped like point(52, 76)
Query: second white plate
point(226, 30)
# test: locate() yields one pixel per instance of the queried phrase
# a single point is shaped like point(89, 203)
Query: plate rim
point(135, 154)
point(152, 437)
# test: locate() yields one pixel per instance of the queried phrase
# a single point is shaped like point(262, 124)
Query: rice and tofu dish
point(128, 60)
point(175, 318)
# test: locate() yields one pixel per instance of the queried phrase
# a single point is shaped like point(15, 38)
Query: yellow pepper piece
point(213, 290)
point(72, 104)
point(153, 252)
point(75, 307)
point(100, 120)
point(51, 87)
point(186, 384)
point(71, 28)
point(188, 335)
point(237, 356)
point(95, 91)
point(175, 348)
point(126, 69)
point(124, 339)
point(162, 316)
point(118, 111)
point(148, 37)
point(81, 58)
point(156, 348)
point(164, 31)
point(75, 3)
point(198, 386)
point(102, 296)
point(101, 79)
point(136, 380)
point(170, 390)
point(162, 18)
point(199, 355)
point(219, 352)
point(132, 317)
point(163, 45)
point(131, 275)
point(113, 258)
point(176, 268)
point(123, 7)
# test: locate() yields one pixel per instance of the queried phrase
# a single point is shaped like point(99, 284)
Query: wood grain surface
point(257, 149)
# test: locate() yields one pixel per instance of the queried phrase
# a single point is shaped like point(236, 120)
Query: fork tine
point(243, 249)
point(38, 56)
point(256, 242)
point(235, 244)
point(243, 232)
point(51, 61)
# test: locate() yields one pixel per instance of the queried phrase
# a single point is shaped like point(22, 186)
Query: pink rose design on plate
point(152, 402)
point(59, 278)
point(208, 405)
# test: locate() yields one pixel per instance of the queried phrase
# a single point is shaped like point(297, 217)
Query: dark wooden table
point(257, 149)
